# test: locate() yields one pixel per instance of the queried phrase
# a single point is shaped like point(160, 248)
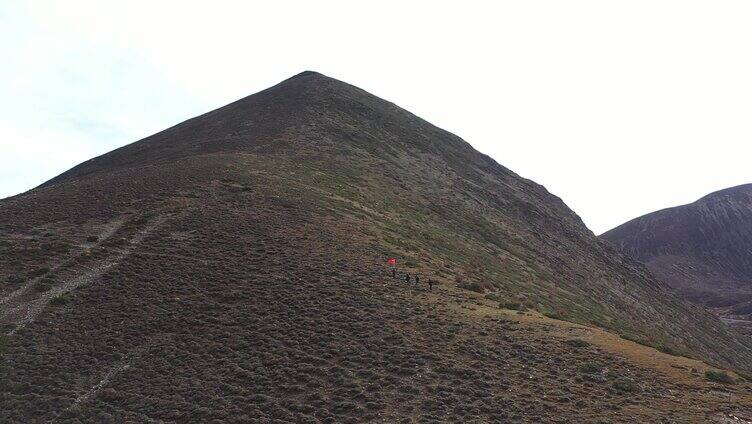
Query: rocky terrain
point(232, 269)
point(703, 250)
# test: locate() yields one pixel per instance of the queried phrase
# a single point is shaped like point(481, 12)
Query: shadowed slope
point(241, 256)
point(703, 249)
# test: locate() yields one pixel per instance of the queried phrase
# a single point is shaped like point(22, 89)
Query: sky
point(619, 108)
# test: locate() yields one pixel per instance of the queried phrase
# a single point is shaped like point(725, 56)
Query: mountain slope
point(232, 266)
point(703, 249)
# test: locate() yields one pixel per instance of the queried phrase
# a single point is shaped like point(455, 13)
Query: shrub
point(60, 300)
point(15, 279)
point(551, 314)
point(40, 271)
point(577, 343)
point(590, 368)
point(626, 385)
point(92, 239)
point(492, 296)
point(636, 339)
point(515, 306)
point(474, 287)
point(43, 285)
point(719, 377)
point(666, 349)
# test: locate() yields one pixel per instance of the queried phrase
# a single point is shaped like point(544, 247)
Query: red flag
point(392, 262)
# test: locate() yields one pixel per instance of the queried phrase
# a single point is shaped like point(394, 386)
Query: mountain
point(232, 268)
point(703, 250)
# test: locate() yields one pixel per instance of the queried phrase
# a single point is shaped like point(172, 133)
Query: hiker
point(407, 278)
point(417, 280)
point(430, 284)
point(392, 262)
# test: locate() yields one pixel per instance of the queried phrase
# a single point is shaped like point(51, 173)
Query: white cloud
point(620, 108)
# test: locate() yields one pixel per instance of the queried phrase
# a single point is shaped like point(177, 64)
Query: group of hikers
point(407, 276)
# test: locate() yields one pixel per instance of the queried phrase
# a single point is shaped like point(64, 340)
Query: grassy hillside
point(232, 267)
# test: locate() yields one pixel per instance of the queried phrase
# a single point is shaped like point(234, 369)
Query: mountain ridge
point(701, 249)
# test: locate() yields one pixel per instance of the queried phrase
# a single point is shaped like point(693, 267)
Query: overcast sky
point(619, 108)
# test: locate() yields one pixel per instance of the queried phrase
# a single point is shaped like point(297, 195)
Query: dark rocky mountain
point(231, 269)
point(703, 250)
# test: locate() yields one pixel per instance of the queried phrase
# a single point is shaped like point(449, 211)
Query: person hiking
point(407, 278)
point(430, 284)
point(417, 280)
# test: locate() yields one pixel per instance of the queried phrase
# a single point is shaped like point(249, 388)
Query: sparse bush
point(625, 385)
point(43, 285)
point(474, 287)
point(15, 279)
point(108, 394)
point(719, 377)
point(492, 296)
point(590, 368)
point(636, 339)
point(92, 239)
point(40, 271)
point(666, 349)
point(577, 343)
point(60, 300)
point(551, 314)
point(515, 306)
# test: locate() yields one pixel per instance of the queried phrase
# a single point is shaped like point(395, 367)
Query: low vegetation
point(15, 280)
point(577, 343)
point(625, 385)
point(719, 376)
point(514, 306)
point(590, 368)
point(43, 285)
point(60, 300)
point(39, 272)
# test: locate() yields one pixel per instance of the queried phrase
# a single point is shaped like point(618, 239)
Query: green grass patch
point(719, 377)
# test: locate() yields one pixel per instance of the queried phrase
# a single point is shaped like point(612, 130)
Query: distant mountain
point(703, 250)
point(232, 268)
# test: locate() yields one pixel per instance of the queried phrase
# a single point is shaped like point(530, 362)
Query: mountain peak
point(245, 250)
point(306, 74)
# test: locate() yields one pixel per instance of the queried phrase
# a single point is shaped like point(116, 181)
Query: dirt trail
point(20, 310)
point(106, 232)
point(111, 373)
